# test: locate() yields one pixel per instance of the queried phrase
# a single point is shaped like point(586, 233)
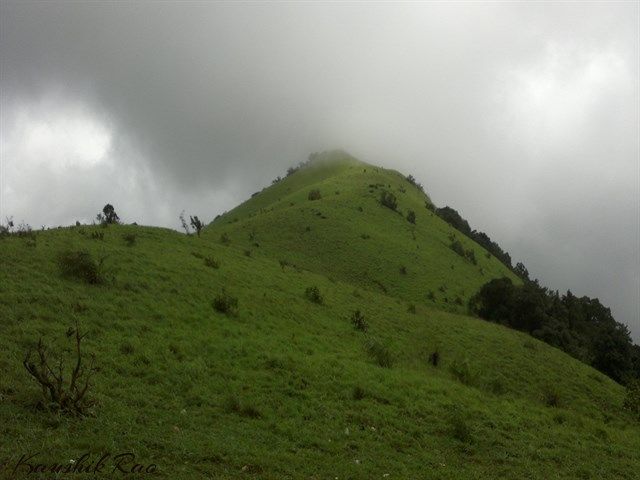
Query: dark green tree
point(108, 215)
point(196, 224)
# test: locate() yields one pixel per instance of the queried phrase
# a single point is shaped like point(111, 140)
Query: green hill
point(348, 235)
point(283, 387)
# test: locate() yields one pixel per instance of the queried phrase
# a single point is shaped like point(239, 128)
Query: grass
point(284, 388)
point(326, 236)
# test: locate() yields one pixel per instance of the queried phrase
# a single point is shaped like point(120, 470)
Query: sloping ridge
point(348, 235)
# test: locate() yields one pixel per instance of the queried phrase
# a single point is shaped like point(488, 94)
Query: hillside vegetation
point(239, 354)
point(348, 235)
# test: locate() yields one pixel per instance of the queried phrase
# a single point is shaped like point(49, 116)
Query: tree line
point(580, 326)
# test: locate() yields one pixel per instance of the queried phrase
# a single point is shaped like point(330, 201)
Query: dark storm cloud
point(525, 118)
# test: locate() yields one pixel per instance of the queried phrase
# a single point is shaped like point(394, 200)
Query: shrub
point(462, 371)
point(411, 308)
point(313, 294)
point(551, 396)
point(57, 393)
point(415, 183)
point(457, 247)
point(314, 195)
point(96, 235)
point(379, 353)
point(434, 358)
point(431, 296)
point(284, 263)
point(359, 322)
point(22, 230)
point(389, 200)
point(358, 393)
point(224, 239)
point(632, 399)
point(82, 266)
point(211, 262)
point(403, 270)
point(130, 239)
point(411, 217)
point(247, 253)
point(225, 303)
point(108, 215)
point(471, 256)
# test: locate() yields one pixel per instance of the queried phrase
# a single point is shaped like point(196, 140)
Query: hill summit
point(365, 225)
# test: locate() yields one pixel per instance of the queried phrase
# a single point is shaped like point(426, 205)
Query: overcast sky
point(524, 117)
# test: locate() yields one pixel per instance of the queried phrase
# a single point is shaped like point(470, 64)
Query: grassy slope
point(170, 365)
point(325, 236)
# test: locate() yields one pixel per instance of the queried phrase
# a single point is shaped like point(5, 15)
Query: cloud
point(524, 118)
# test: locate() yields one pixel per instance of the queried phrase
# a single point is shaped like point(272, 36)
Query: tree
point(196, 224)
point(185, 226)
point(108, 215)
point(521, 271)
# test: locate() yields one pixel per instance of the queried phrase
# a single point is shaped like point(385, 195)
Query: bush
point(96, 235)
point(130, 239)
point(379, 353)
point(359, 322)
point(411, 217)
point(551, 396)
point(82, 266)
point(358, 393)
point(22, 230)
point(457, 247)
point(403, 270)
point(211, 262)
point(411, 308)
point(224, 239)
point(313, 294)
point(434, 358)
point(225, 303)
point(632, 399)
point(58, 394)
point(415, 183)
point(314, 195)
point(389, 200)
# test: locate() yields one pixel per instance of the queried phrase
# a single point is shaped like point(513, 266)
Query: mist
point(525, 118)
